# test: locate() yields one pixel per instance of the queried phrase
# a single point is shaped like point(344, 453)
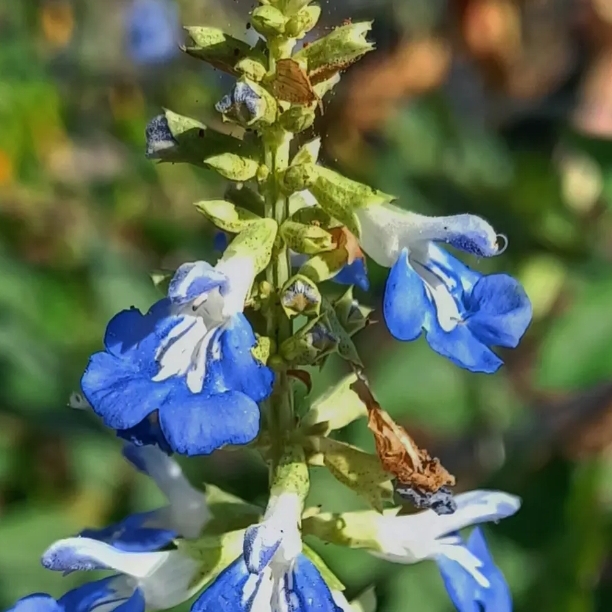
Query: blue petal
point(307, 591)
point(152, 29)
point(118, 383)
point(467, 233)
point(462, 348)
point(146, 433)
point(498, 310)
point(194, 279)
point(37, 602)
point(141, 532)
point(220, 241)
point(104, 593)
point(354, 274)
point(465, 592)
point(238, 369)
point(405, 302)
point(200, 424)
point(259, 548)
point(225, 594)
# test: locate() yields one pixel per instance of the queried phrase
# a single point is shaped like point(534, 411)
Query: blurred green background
point(497, 107)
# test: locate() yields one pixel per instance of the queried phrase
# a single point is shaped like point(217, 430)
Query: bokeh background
point(496, 107)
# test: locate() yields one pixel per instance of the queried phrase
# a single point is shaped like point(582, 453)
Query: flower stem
point(279, 328)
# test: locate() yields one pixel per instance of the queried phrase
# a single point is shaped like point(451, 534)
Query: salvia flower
point(188, 361)
point(462, 312)
point(153, 29)
point(427, 535)
point(184, 516)
point(273, 573)
point(145, 580)
point(487, 593)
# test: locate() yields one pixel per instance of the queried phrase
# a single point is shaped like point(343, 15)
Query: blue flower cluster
point(269, 571)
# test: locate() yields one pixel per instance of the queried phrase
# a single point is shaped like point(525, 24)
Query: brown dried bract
point(292, 84)
point(344, 239)
point(398, 453)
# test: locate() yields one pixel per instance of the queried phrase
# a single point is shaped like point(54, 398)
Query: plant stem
point(279, 328)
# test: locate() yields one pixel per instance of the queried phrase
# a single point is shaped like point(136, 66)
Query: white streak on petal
point(446, 308)
point(467, 560)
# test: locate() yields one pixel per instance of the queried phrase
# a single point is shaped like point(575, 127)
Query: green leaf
point(225, 215)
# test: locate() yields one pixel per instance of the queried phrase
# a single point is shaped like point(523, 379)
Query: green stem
point(279, 328)
point(276, 157)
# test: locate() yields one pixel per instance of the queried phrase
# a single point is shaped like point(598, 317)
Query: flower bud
point(300, 296)
point(268, 21)
point(233, 167)
point(345, 346)
point(342, 47)
point(255, 241)
point(175, 138)
point(288, 7)
point(297, 118)
point(225, 215)
point(352, 315)
point(303, 21)
point(248, 104)
point(308, 239)
point(252, 68)
point(309, 344)
point(216, 48)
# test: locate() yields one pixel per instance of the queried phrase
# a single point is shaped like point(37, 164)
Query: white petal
point(278, 536)
point(387, 229)
point(188, 510)
point(240, 272)
point(412, 538)
point(169, 584)
point(74, 554)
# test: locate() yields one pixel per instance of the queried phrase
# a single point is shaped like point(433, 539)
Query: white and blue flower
point(185, 368)
point(412, 538)
point(153, 31)
point(462, 312)
point(272, 574)
point(184, 516)
point(145, 580)
point(488, 593)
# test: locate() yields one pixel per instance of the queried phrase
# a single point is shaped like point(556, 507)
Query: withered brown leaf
point(344, 239)
point(398, 453)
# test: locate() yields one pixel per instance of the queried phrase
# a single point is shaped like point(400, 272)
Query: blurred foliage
point(493, 107)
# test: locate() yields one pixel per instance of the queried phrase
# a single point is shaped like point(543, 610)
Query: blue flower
point(187, 363)
point(462, 312)
point(151, 580)
point(483, 591)
point(185, 516)
point(108, 593)
point(152, 28)
point(300, 588)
